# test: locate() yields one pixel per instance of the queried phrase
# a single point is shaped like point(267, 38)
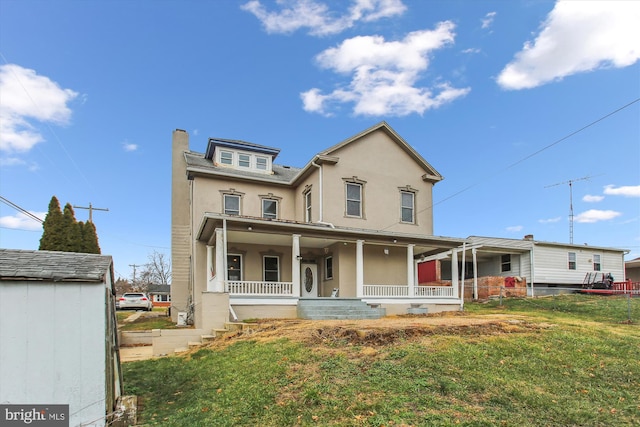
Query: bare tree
point(157, 271)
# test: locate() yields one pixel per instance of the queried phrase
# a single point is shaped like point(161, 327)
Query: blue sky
point(504, 98)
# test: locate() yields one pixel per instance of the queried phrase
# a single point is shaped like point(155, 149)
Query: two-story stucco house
point(254, 238)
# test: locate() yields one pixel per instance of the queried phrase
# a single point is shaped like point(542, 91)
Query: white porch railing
point(246, 287)
point(403, 291)
point(434, 291)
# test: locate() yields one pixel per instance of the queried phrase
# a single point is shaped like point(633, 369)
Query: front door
point(309, 280)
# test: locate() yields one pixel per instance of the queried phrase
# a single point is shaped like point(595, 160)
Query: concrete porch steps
point(215, 333)
point(337, 308)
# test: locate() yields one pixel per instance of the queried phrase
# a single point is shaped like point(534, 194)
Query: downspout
point(321, 191)
point(533, 262)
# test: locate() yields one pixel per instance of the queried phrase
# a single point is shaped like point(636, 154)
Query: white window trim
point(224, 203)
point(307, 205)
point(253, 160)
point(598, 263)
point(413, 207)
point(360, 201)
point(267, 199)
point(569, 261)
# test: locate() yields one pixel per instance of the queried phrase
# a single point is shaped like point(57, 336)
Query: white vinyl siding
point(551, 264)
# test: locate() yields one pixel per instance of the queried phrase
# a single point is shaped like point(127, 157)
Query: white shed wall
point(53, 347)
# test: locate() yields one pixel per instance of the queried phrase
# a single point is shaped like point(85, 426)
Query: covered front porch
point(266, 263)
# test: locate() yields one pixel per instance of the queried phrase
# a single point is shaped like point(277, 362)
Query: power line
point(18, 208)
point(556, 142)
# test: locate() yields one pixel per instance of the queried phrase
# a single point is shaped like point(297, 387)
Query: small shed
point(59, 333)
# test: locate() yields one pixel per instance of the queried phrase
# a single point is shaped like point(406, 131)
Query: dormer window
point(226, 157)
point(241, 155)
point(261, 163)
point(244, 160)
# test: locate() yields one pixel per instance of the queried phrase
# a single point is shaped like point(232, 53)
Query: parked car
point(135, 300)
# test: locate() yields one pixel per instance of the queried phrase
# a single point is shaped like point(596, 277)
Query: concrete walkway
point(131, 354)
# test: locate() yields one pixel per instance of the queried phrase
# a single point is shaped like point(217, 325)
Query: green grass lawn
point(157, 319)
point(568, 362)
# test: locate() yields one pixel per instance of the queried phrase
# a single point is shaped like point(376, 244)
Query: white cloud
point(626, 190)
point(577, 36)
point(592, 199)
point(472, 50)
point(384, 74)
point(514, 228)
point(594, 215)
point(20, 221)
point(129, 147)
point(488, 19)
point(550, 220)
point(27, 97)
point(317, 18)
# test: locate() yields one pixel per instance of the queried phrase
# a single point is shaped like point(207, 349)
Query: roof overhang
point(242, 229)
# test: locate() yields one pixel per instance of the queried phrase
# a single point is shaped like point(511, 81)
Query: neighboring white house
point(545, 263)
point(59, 332)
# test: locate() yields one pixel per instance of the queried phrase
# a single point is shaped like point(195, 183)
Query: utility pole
point(91, 209)
point(570, 182)
point(133, 285)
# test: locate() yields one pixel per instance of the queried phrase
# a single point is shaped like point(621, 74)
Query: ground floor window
point(572, 260)
point(234, 267)
point(328, 268)
point(596, 262)
point(271, 268)
point(505, 263)
point(161, 298)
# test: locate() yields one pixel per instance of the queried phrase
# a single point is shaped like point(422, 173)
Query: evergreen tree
point(53, 235)
point(63, 233)
point(89, 238)
point(73, 235)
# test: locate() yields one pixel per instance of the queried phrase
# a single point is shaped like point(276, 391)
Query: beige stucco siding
point(384, 167)
point(208, 197)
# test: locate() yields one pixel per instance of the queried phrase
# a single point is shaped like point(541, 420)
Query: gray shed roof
point(16, 264)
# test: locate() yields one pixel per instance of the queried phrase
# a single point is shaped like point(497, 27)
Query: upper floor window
point(354, 199)
point(261, 163)
point(269, 208)
point(244, 160)
point(226, 157)
point(271, 268)
point(572, 260)
point(232, 204)
point(505, 263)
point(596, 262)
point(307, 206)
point(407, 202)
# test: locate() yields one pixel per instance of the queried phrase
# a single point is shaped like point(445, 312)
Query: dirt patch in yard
point(380, 332)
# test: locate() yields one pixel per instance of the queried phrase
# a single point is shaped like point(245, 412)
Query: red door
point(427, 272)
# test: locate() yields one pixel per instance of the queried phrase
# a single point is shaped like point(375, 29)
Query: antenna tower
point(570, 182)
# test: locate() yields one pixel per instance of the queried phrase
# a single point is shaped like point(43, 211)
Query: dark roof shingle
point(17, 264)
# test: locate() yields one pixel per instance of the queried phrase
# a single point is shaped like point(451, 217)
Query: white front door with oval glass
point(309, 280)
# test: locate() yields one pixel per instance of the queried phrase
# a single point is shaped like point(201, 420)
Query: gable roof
point(198, 163)
point(430, 171)
point(16, 264)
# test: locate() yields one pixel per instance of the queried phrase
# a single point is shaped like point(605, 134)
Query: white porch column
point(454, 273)
point(359, 269)
point(475, 274)
point(210, 269)
point(295, 264)
point(219, 278)
point(411, 278)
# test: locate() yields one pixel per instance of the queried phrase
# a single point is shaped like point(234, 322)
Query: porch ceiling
point(278, 233)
